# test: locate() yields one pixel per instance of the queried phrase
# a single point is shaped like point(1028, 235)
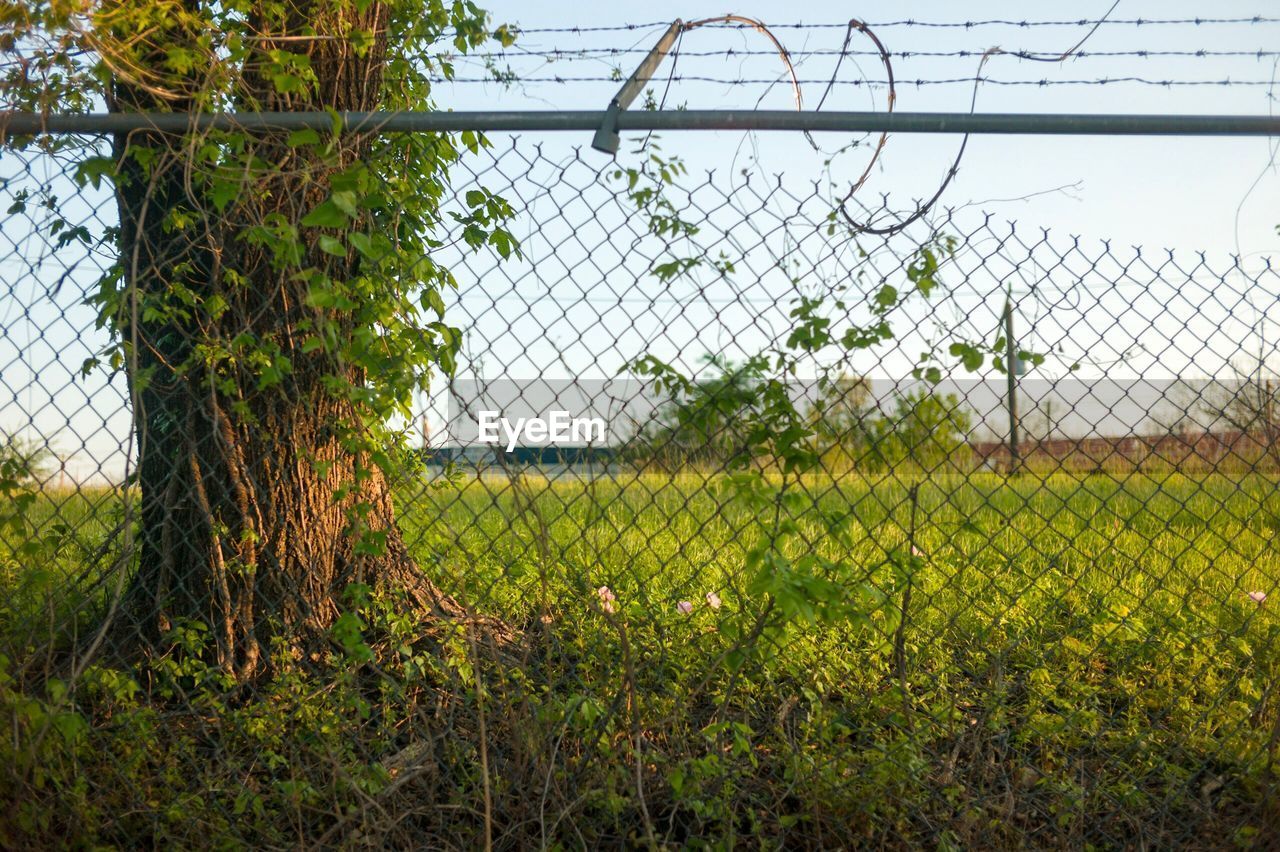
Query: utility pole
point(1011, 367)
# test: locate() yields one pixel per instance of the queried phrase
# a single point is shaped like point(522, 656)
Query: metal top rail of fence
point(568, 120)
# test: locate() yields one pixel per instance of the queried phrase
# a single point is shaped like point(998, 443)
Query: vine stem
point(637, 734)
point(900, 635)
point(484, 740)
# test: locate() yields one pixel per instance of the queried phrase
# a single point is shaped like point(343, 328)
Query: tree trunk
point(254, 515)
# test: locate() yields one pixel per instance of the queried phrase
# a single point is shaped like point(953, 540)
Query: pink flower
point(607, 599)
point(685, 607)
point(915, 551)
point(713, 600)
point(1257, 597)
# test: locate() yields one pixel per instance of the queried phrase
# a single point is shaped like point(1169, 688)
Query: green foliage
point(720, 422)
point(708, 423)
point(924, 429)
point(22, 461)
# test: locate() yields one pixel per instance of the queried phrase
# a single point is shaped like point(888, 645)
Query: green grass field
point(1082, 665)
point(1079, 649)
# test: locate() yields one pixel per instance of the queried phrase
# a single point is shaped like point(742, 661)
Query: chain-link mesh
point(982, 613)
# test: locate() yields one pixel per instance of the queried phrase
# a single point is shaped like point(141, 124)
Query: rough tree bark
point(240, 530)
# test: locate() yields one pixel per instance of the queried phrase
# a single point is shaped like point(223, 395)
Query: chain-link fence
point(961, 536)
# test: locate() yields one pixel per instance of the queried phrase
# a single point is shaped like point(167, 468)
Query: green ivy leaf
point(362, 243)
point(332, 245)
point(305, 136)
point(326, 215)
point(968, 354)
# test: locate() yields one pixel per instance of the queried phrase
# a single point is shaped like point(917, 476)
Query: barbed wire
point(891, 80)
point(593, 53)
point(946, 81)
point(911, 22)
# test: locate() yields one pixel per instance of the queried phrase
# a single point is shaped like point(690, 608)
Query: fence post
point(1011, 366)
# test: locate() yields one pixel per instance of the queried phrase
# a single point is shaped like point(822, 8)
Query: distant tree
point(1180, 408)
point(1248, 402)
point(23, 459)
point(841, 417)
point(1041, 422)
point(716, 420)
point(707, 425)
point(23, 463)
point(924, 429)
